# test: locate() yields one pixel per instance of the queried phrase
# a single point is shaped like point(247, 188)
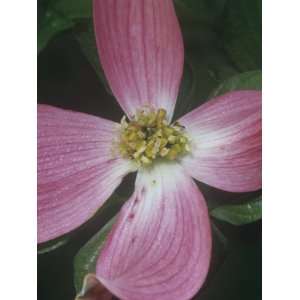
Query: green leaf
point(242, 33)
point(86, 38)
point(251, 80)
point(59, 16)
point(239, 214)
point(204, 11)
point(86, 259)
point(78, 9)
point(53, 244)
point(51, 24)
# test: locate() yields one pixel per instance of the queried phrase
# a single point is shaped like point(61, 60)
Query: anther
point(148, 136)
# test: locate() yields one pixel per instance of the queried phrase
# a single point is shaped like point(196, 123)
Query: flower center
point(148, 137)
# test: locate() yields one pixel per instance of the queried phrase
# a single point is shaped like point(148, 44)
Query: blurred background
point(222, 40)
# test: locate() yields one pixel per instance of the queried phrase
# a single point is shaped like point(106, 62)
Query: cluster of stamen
point(148, 137)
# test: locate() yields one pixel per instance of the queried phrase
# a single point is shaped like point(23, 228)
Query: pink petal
point(141, 51)
point(160, 246)
point(76, 169)
point(226, 142)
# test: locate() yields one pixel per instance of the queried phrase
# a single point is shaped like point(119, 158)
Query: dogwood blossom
point(160, 245)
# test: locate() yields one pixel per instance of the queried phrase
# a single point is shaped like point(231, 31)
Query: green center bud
point(148, 136)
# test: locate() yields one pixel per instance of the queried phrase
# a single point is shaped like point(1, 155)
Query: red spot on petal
point(131, 216)
point(143, 191)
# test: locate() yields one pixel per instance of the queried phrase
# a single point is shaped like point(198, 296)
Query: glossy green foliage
point(239, 214)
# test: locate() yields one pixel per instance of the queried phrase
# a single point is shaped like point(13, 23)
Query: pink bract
point(226, 132)
point(160, 246)
point(76, 173)
point(141, 52)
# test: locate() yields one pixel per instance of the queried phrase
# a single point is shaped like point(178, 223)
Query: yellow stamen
point(149, 136)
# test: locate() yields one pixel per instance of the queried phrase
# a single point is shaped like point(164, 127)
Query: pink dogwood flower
point(160, 245)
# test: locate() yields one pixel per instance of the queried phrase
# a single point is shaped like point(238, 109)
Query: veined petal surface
point(77, 170)
point(226, 142)
point(141, 51)
point(160, 246)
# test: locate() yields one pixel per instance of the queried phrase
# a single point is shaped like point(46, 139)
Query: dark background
point(214, 52)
